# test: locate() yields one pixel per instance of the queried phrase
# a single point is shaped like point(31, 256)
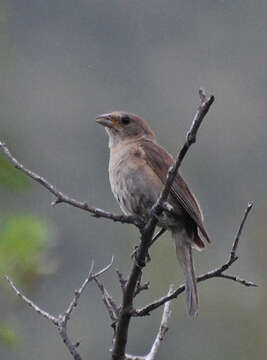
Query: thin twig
point(239, 232)
point(216, 273)
point(134, 357)
point(162, 329)
point(62, 198)
point(122, 280)
point(31, 304)
point(112, 308)
point(236, 278)
point(141, 287)
point(77, 293)
point(190, 139)
point(61, 321)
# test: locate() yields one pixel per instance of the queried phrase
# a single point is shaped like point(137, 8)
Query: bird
point(138, 167)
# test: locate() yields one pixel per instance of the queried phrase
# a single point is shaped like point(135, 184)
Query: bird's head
point(123, 126)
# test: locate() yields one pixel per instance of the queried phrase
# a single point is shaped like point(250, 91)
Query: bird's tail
point(184, 255)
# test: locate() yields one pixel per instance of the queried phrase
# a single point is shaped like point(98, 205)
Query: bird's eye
point(125, 120)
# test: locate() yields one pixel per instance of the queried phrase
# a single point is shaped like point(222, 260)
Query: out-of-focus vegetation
point(12, 178)
point(9, 336)
point(24, 242)
point(24, 237)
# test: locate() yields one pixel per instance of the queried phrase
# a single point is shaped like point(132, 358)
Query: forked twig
point(219, 273)
point(61, 321)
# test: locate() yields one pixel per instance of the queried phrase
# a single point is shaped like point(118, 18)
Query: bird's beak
point(105, 120)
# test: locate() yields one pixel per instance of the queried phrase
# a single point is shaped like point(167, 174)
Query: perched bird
point(138, 168)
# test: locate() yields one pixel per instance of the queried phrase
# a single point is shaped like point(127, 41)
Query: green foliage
point(12, 178)
point(24, 240)
point(23, 244)
point(8, 336)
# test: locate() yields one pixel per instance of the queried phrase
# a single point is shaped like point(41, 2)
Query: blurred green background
point(62, 63)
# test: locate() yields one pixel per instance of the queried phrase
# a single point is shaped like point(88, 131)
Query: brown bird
point(138, 168)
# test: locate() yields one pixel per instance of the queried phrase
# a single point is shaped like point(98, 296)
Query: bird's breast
point(133, 183)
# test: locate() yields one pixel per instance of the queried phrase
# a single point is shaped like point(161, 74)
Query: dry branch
point(216, 273)
point(205, 104)
point(61, 321)
point(163, 328)
point(63, 198)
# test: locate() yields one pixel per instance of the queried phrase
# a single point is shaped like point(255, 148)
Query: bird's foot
point(156, 212)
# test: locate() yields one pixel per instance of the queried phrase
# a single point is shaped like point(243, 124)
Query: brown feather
point(160, 161)
point(138, 169)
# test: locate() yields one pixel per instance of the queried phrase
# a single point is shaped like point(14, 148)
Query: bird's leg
point(155, 238)
point(161, 211)
point(158, 212)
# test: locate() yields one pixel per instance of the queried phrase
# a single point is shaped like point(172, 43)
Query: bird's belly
point(133, 189)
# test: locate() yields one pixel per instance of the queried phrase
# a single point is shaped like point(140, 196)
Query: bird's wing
point(160, 161)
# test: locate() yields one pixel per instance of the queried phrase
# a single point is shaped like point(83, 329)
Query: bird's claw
point(156, 212)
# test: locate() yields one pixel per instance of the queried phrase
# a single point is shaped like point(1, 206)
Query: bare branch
point(66, 340)
point(126, 312)
point(190, 139)
point(218, 273)
point(122, 280)
point(162, 329)
point(141, 287)
point(31, 304)
point(160, 335)
point(239, 232)
point(62, 198)
point(62, 320)
point(236, 278)
point(112, 308)
point(134, 357)
point(101, 272)
point(77, 293)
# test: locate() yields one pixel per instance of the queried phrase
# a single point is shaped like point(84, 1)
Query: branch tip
point(62, 198)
